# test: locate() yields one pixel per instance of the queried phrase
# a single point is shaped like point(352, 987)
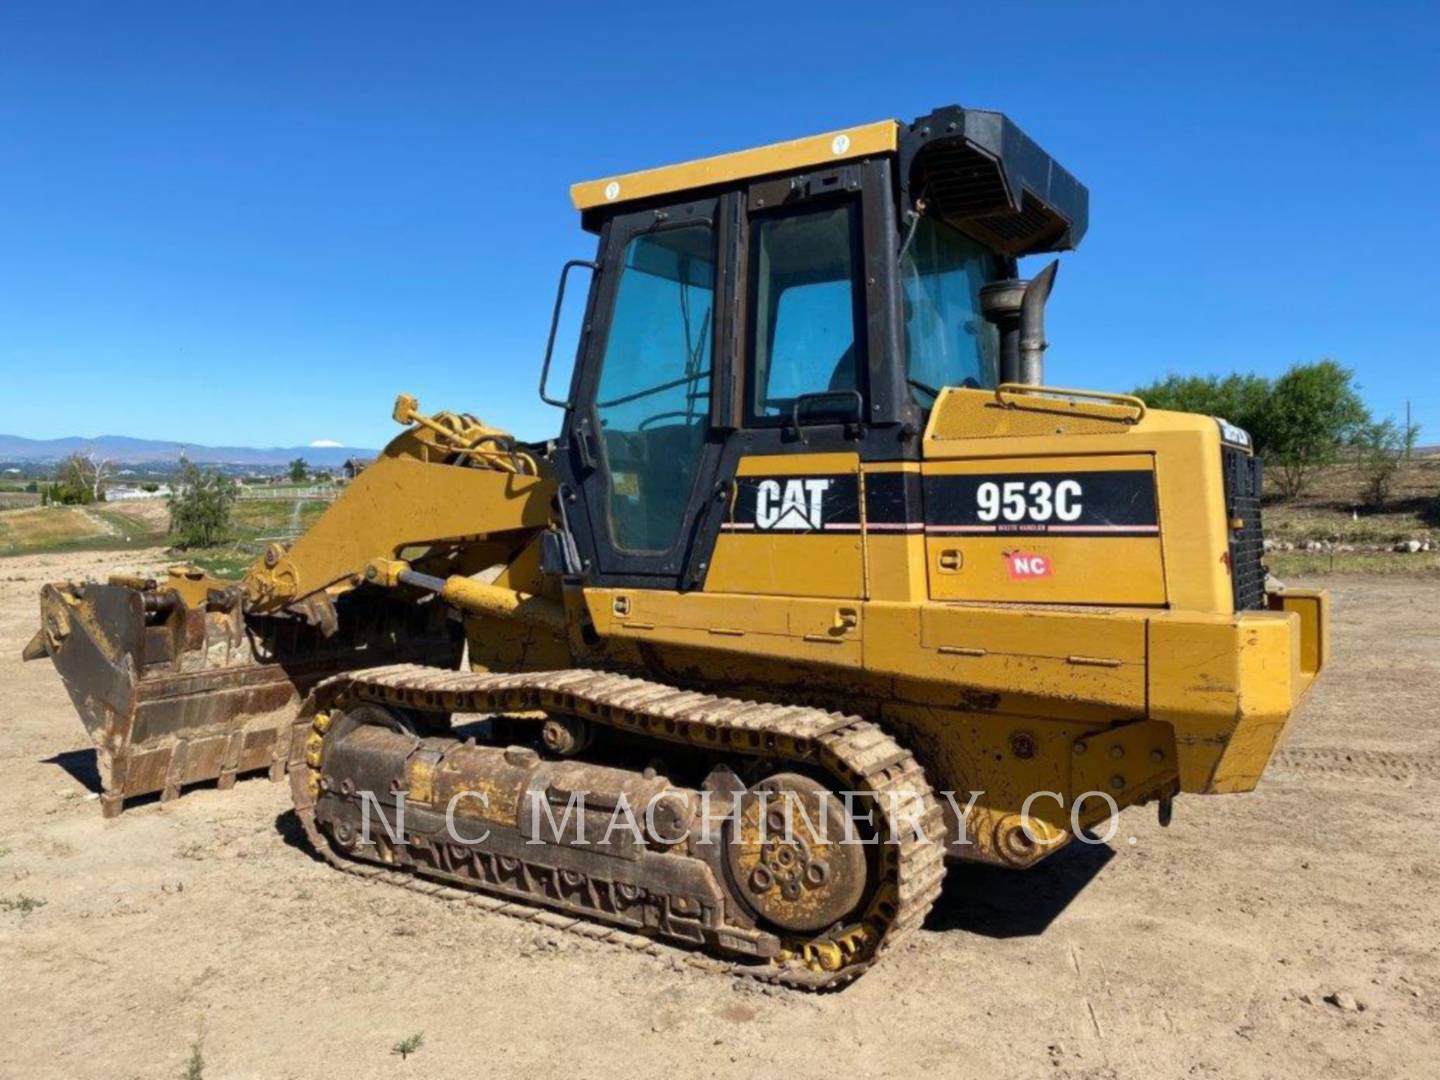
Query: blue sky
point(256, 222)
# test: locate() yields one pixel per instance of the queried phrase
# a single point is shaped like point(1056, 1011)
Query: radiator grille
point(1247, 543)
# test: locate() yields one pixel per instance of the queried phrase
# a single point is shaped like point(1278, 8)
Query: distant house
point(126, 492)
point(354, 466)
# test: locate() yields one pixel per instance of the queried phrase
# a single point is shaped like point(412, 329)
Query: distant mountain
point(128, 451)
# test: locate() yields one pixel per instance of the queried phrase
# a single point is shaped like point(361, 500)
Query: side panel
point(970, 428)
point(792, 528)
point(1082, 529)
point(760, 629)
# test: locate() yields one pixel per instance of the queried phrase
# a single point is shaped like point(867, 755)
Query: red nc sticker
point(1023, 565)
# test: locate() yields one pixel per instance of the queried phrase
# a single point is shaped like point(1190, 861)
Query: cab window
point(805, 305)
point(653, 396)
point(948, 342)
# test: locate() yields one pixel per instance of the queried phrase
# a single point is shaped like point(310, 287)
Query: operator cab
point(807, 298)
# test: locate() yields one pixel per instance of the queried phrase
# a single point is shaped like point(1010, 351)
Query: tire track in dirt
point(1357, 764)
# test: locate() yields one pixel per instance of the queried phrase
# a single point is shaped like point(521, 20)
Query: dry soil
point(1290, 932)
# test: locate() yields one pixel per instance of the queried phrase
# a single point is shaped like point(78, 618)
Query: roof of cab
point(846, 144)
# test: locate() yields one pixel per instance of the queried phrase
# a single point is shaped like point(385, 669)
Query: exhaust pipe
point(1017, 310)
point(1032, 325)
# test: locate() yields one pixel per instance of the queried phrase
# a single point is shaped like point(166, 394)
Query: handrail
point(1061, 392)
point(821, 395)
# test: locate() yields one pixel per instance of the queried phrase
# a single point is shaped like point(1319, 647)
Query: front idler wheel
point(788, 857)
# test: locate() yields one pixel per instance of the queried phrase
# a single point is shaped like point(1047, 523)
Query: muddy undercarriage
point(752, 854)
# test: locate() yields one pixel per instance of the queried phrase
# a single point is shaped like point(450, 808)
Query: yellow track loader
point(820, 584)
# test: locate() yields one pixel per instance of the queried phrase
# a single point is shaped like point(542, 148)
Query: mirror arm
point(594, 267)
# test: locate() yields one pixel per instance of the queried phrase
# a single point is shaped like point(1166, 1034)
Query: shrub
point(200, 507)
point(1382, 446)
point(78, 481)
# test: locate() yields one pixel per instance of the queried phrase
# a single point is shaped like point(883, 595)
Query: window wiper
point(914, 224)
point(924, 388)
point(638, 394)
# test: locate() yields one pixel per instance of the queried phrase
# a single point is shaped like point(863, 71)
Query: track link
point(848, 748)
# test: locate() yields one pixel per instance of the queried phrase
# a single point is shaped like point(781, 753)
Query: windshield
point(947, 340)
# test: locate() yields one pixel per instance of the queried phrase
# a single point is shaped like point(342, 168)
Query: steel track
point(853, 751)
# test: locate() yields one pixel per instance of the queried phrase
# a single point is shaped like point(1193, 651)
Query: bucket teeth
point(314, 748)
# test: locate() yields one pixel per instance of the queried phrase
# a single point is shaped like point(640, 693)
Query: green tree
point(1298, 422)
point(298, 470)
point(1240, 399)
point(1313, 411)
point(79, 480)
point(200, 506)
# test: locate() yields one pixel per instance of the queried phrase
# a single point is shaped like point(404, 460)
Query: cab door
point(793, 525)
point(639, 442)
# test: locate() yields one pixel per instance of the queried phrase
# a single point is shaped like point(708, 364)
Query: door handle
point(951, 560)
point(585, 446)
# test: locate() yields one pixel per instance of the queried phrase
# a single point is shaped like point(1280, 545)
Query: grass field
point(1333, 510)
point(1287, 565)
point(145, 523)
point(1332, 514)
point(79, 528)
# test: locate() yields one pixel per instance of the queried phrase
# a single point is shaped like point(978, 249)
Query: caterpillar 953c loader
point(813, 526)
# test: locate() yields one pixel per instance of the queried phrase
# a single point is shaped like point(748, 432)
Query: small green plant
point(195, 1064)
point(408, 1045)
point(23, 904)
point(4, 851)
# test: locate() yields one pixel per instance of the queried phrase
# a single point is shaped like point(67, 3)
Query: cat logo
point(794, 505)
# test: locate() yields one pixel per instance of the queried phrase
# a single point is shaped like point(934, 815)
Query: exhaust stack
point(1032, 326)
point(1017, 309)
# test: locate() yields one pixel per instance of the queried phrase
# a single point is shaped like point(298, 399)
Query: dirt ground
point(1204, 950)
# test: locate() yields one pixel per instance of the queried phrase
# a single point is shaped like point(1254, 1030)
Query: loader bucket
point(177, 684)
